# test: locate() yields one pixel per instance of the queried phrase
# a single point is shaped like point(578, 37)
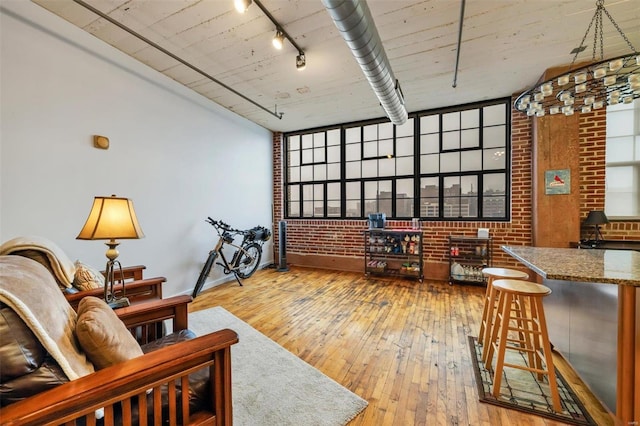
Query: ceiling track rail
point(455, 73)
point(182, 61)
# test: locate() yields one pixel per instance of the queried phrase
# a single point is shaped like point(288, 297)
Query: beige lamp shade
point(111, 218)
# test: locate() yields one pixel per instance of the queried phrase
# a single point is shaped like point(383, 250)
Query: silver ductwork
point(355, 23)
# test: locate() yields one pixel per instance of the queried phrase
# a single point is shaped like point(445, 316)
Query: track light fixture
point(242, 5)
point(301, 61)
point(281, 34)
point(278, 39)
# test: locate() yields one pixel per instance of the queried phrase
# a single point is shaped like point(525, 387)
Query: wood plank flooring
point(399, 344)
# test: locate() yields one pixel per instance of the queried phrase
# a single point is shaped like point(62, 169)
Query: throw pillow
point(102, 336)
point(86, 277)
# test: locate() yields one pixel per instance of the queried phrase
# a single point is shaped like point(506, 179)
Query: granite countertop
point(621, 267)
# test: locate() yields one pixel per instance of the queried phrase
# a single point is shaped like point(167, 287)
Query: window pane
point(294, 174)
point(353, 190)
point(306, 173)
point(429, 193)
point(307, 141)
point(320, 172)
point(294, 142)
point(494, 159)
point(494, 136)
point(429, 124)
point(333, 209)
point(353, 208)
point(333, 171)
point(620, 123)
point(494, 114)
point(404, 146)
point(621, 195)
point(406, 129)
point(470, 118)
point(318, 139)
point(333, 154)
point(387, 167)
point(451, 140)
point(471, 160)
point(385, 131)
point(370, 132)
point(294, 192)
point(352, 134)
point(307, 156)
point(294, 209)
point(494, 200)
point(450, 162)
point(294, 158)
point(318, 155)
point(370, 149)
point(386, 147)
point(353, 170)
point(404, 198)
point(370, 168)
point(450, 121)
point(333, 137)
point(429, 144)
point(429, 164)
point(470, 138)
point(333, 191)
point(352, 152)
point(620, 149)
point(404, 166)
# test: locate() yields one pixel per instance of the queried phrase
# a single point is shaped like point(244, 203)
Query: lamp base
point(119, 303)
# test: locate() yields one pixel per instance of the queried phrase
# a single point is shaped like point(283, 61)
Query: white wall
point(179, 156)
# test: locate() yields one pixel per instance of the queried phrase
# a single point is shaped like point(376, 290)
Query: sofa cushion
point(87, 277)
point(103, 337)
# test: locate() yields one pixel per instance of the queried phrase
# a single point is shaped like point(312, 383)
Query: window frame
point(416, 175)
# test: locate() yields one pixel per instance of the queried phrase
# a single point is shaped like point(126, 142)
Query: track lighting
point(242, 5)
point(281, 34)
point(278, 39)
point(301, 61)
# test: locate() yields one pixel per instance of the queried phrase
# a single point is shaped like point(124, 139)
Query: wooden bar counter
point(594, 316)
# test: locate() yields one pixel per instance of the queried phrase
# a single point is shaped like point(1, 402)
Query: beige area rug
point(519, 390)
point(273, 387)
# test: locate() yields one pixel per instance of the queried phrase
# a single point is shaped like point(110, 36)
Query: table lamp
point(112, 218)
point(596, 218)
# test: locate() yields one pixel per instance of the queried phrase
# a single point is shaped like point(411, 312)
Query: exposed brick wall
point(344, 239)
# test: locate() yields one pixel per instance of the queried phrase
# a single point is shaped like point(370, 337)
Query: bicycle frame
point(247, 254)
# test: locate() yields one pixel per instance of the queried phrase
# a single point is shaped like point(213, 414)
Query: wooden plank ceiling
point(506, 46)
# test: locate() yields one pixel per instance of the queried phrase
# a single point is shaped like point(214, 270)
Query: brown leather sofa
point(147, 389)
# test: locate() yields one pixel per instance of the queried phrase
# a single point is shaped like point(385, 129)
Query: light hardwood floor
point(399, 344)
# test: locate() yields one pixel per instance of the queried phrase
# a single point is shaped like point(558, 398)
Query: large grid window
point(447, 164)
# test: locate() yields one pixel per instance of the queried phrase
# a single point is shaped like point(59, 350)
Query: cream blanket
point(30, 290)
point(63, 268)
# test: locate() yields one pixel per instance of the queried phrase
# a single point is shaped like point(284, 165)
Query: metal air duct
point(354, 21)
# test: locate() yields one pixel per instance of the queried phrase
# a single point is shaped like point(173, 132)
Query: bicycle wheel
point(206, 269)
point(250, 260)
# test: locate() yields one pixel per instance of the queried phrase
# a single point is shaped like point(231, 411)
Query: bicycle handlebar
point(218, 224)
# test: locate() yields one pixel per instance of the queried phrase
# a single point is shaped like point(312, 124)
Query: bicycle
point(245, 259)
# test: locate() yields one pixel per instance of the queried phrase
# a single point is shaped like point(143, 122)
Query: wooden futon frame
point(119, 388)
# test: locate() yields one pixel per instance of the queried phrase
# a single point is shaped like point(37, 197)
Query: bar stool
point(490, 301)
point(529, 321)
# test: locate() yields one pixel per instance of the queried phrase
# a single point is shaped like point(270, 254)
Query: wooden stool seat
point(490, 301)
point(520, 310)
